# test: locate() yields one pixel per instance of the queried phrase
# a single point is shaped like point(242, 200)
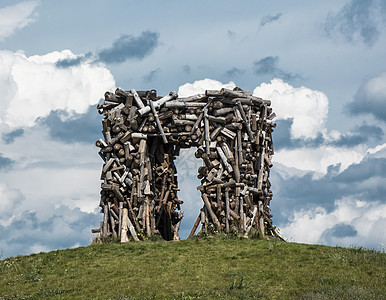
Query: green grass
point(201, 268)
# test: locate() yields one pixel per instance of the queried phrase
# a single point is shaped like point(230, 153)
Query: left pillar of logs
point(139, 189)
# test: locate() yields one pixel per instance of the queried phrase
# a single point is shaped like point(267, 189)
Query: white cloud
point(366, 218)
point(318, 159)
point(48, 199)
point(34, 86)
point(48, 169)
point(9, 200)
point(16, 17)
point(308, 108)
point(199, 87)
point(378, 151)
point(54, 179)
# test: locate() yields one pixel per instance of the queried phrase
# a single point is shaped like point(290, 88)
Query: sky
point(321, 63)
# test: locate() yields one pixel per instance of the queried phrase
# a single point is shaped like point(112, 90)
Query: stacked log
point(143, 133)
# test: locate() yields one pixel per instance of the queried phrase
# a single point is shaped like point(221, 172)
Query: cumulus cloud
point(200, 86)
point(10, 200)
point(33, 86)
point(318, 159)
point(129, 46)
point(358, 20)
point(359, 135)
point(370, 98)
point(268, 66)
point(303, 191)
point(351, 222)
point(307, 108)
point(269, 19)
point(52, 185)
point(16, 17)
point(29, 233)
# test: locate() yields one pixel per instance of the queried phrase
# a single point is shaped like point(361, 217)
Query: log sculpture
point(143, 133)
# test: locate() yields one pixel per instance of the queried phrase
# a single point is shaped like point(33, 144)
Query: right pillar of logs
point(143, 133)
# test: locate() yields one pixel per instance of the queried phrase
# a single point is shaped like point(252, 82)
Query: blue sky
point(321, 63)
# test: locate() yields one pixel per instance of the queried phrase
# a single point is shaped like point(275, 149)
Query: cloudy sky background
point(321, 63)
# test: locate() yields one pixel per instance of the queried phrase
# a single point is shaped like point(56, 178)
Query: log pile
point(143, 133)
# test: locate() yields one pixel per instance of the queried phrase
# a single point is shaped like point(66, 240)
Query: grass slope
point(205, 268)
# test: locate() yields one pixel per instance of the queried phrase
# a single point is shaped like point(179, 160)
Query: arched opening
point(187, 165)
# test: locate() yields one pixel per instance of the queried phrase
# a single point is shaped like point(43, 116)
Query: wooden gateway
point(143, 133)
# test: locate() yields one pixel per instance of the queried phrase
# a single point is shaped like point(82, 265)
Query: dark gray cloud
point(269, 19)
point(130, 47)
point(282, 137)
point(64, 228)
point(5, 162)
point(364, 181)
point(70, 62)
point(370, 99)
point(342, 230)
point(357, 20)
point(374, 167)
point(339, 231)
point(124, 48)
point(186, 69)
point(268, 66)
point(10, 137)
point(152, 75)
point(234, 72)
point(83, 128)
point(357, 136)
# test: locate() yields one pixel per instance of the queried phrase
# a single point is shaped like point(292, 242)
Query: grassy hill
point(204, 268)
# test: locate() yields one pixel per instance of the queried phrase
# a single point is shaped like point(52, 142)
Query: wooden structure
point(143, 133)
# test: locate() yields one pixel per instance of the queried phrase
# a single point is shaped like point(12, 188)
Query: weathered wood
point(176, 237)
point(120, 219)
point(218, 197)
point(161, 130)
point(132, 230)
point(252, 221)
point(157, 104)
point(195, 225)
point(105, 220)
point(193, 98)
point(180, 104)
point(124, 226)
point(211, 213)
point(223, 111)
point(112, 222)
point(244, 118)
point(261, 220)
point(227, 210)
point(206, 131)
point(224, 159)
point(147, 218)
point(137, 99)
